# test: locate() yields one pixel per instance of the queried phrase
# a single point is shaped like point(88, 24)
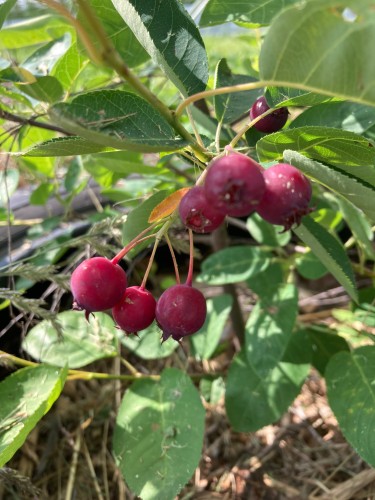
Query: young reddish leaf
point(167, 206)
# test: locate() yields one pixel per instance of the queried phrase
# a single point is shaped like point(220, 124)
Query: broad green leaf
point(229, 107)
point(158, 435)
point(148, 343)
point(64, 146)
point(207, 339)
point(233, 264)
point(264, 283)
point(30, 137)
point(82, 341)
point(253, 402)
point(41, 194)
point(349, 116)
point(69, 66)
point(351, 183)
point(45, 89)
point(269, 328)
point(267, 234)
point(309, 266)
point(329, 251)
point(8, 184)
point(117, 119)
point(329, 145)
point(126, 44)
point(124, 163)
point(169, 35)
point(137, 219)
point(5, 8)
point(325, 344)
point(212, 390)
point(299, 350)
point(253, 12)
point(351, 394)
point(26, 396)
point(41, 62)
point(282, 96)
point(331, 41)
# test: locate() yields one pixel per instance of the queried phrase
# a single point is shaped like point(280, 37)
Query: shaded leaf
point(64, 146)
point(158, 435)
point(325, 344)
point(148, 343)
point(167, 206)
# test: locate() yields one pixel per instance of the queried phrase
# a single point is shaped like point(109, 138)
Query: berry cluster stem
point(138, 239)
point(189, 279)
point(175, 265)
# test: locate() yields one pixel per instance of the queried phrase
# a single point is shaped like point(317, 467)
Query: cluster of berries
point(236, 185)
point(98, 284)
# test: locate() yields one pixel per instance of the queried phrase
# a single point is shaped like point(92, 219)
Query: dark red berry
point(180, 311)
point(136, 310)
point(97, 284)
point(197, 214)
point(287, 196)
point(234, 184)
point(270, 123)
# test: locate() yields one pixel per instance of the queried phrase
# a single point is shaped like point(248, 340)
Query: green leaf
point(233, 264)
point(351, 185)
point(252, 401)
point(148, 343)
point(331, 44)
point(69, 66)
point(82, 342)
point(205, 341)
point(158, 435)
point(41, 62)
point(243, 11)
point(64, 146)
point(330, 252)
point(264, 283)
point(212, 390)
point(169, 35)
point(350, 116)
point(137, 219)
point(267, 234)
point(41, 194)
point(5, 8)
point(351, 394)
point(309, 266)
point(42, 166)
point(118, 119)
point(8, 184)
point(269, 328)
point(26, 396)
point(299, 350)
point(124, 163)
point(229, 107)
point(45, 89)
point(325, 344)
point(329, 145)
point(278, 97)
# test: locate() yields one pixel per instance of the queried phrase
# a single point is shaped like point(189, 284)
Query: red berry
point(270, 123)
point(234, 184)
point(97, 284)
point(197, 214)
point(287, 196)
point(180, 311)
point(136, 310)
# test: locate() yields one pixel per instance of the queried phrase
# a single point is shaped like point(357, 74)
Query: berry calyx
point(180, 311)
point(197, 213)
point(287, 196)
point(234, 184)
point(136, 309)
point(97, 284)
point(270, 123)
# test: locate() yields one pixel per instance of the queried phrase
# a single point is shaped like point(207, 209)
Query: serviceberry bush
point(188, 134)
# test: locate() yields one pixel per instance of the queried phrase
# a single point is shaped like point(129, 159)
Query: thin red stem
point(189, 279)
point(151, 260)
point(175, 265)
point(138, 239)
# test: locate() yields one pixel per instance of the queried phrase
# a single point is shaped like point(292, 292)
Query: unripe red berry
point(234, 184)
point(287, 196)
point(97, 284)
point(136, 310)
point(197, 214)
point(270, 123)
point(180, 311)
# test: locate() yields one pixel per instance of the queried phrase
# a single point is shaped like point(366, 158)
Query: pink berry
point(270, 123)
point(197, 214)
point(234, 184)
point(287, 196)
point(136, 310)
point(180, 311)
point(97, 284)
